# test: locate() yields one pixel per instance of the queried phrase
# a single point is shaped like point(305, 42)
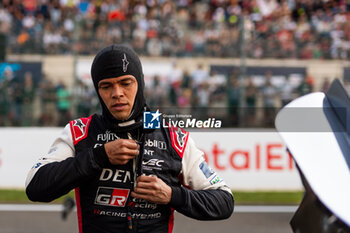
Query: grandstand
point(234, 60)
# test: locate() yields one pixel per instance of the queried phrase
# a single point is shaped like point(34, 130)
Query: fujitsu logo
point(107, 136)
point(112, 196)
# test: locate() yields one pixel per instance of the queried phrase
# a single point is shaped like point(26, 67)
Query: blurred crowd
point(250, 101)
point(46, 103)
point(304, 29)
point(300, 29)
point(22, 103)
point(201, 94)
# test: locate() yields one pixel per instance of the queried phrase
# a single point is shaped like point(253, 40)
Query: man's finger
point(144, 178)
point(147, 185)
point(141, 196)
point(144, 191)
point(127, 151)
point(129, 143)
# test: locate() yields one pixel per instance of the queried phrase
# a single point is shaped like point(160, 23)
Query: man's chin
point(120, 116)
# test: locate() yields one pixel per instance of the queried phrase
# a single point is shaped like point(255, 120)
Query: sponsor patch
point(207, 171)
point(36, 165)
point(156, 143)
point(79, 128)
point(124, 214)
point(215, 180)
point(142, 204)
point(112, 196)
point(152, 164)
point(179, 139)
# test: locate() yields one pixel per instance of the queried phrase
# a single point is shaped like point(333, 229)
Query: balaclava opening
point(114, 61)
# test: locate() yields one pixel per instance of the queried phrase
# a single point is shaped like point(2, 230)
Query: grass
point(268, 198)
point(20, 197)
point(241, 197)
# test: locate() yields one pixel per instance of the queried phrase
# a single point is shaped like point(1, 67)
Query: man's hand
point(152, 189)
point(120, 151)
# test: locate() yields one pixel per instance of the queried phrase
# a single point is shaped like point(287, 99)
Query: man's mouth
point(119, 106)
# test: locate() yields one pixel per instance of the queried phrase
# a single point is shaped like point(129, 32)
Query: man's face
point(118, 94)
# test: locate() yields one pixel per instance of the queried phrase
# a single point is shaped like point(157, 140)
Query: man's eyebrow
point(126, 79)
point(104, 82)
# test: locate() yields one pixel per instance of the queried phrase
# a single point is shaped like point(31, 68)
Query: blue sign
point(151, 120)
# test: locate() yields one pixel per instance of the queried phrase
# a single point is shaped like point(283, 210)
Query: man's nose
point(117, 91)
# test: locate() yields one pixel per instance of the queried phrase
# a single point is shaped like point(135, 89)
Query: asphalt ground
point(244, 220)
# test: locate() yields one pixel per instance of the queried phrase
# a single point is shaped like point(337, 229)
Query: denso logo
point(111, 196)
point(155, 143)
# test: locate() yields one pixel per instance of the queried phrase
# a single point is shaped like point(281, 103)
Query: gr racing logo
point(151, 120)
point(111, 196)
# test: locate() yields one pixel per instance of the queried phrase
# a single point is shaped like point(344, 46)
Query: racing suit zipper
point(129, 216)
point(137, 170)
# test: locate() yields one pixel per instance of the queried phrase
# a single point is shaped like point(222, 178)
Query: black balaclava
point(114, 61)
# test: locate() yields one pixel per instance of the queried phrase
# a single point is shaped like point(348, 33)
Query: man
point(126, 178)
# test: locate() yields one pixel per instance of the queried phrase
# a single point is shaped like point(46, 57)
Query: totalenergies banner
point(246, 160)
point(249, 160)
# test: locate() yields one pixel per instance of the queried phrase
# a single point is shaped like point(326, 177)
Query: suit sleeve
point(62, 170)
point(204, 195)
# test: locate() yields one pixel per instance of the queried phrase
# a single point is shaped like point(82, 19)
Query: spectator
point(63, 104)
point(5, 103)
point(173, 96)
point(87, 94)
point(325, 85)
point(199, 76)
point(203, 95)
point(287, 92)
point(18, 100)
point(233, 99)
point(186, 81)
point(48, 103)
point(187, 90)
point(175, 75)
point(157, 94)
point(218, 102)
point(251, 95)
point(28, 100)
point(306, 86)
point(269, 94)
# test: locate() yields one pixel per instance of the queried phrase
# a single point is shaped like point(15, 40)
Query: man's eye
point(104, 87)
point(126, 83)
